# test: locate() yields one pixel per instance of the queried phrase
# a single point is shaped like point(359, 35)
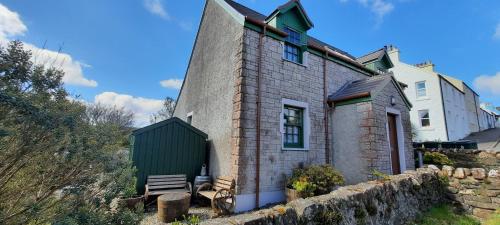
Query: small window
point(294, 127)
point(424, 118)
point(292, 51)
point(421, 89)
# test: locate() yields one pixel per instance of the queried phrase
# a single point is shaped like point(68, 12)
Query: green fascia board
point(258, 29)
point(168, 121)
point(353, 101)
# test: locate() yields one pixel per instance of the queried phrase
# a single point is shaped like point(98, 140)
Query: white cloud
point(496, 35)
point(142, 107)
point(171, 83)
point(378, 7)
point(490, 84)
point(156, 7)
point(11, 26)
point(10, 23)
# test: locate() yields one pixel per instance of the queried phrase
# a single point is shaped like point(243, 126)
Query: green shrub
point(315, 180)
point(437, 158)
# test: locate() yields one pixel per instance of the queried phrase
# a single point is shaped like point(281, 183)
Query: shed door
point(393, 140)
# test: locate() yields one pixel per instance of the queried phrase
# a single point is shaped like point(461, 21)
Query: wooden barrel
point(172, 206)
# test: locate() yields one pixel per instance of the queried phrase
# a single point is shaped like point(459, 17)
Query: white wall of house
point(432, 101)
point(455, 109)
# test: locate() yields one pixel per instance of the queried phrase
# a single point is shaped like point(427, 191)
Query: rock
point(495, 200)
point(477, 198)
point(478, 173)
point(498, 155)
point(482, 213)
point(459, 173)
point(433, 167)
point(493, 174)
point(467, 171)
point(482, 205)
point(447, 170)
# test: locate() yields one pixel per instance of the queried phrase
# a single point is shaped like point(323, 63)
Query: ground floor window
point(425, 120)
point(294, 127)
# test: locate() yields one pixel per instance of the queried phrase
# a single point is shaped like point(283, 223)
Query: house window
point(293, 136)
point(292, 51)
point(421, 89)
point(424, 118)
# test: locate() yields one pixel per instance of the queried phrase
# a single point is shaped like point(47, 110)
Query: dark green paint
point(353, 101)
point(168, 147)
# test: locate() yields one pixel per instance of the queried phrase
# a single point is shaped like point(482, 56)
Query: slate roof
point(358, 88)
point(245, 11)
point(378, 54)
point(368, 87)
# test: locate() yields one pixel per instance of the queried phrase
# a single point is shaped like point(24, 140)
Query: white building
point(444, 108)
point(489, 117)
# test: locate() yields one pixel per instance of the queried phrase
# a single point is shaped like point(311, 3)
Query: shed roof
point(368, 87)
point(169, 121)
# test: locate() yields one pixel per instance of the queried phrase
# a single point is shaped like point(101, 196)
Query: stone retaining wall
point(470, 158)
point(396, 200)
point(476, 190)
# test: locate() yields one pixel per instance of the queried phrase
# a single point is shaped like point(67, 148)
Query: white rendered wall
point(409, 75)
point(456, 113)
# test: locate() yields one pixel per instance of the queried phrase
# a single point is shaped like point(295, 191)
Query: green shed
point(168, 147)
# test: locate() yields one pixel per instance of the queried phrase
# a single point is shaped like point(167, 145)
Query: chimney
point(393, 52)
point(427, 66)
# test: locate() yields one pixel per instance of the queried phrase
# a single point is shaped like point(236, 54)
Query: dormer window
point(292, 50)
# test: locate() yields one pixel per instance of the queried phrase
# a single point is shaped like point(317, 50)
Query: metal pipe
point(325, 103)
point(257, 122)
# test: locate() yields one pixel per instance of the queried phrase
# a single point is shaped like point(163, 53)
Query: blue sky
point(134, 53)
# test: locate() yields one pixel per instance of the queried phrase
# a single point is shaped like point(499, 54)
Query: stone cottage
point(272, 98)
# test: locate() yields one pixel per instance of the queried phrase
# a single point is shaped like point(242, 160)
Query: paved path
point(486, 140)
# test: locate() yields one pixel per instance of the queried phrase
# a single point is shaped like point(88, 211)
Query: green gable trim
point(284, 17)
point(353, 101)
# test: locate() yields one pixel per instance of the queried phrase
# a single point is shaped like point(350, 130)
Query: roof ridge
point(367, 54)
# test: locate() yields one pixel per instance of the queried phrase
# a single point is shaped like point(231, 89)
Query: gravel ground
point(202, 212)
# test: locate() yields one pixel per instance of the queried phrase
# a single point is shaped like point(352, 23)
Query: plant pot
point(291, 194)
point(131, 203)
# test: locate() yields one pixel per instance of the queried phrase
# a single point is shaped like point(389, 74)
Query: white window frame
point(417, 90)
point(305, 107)
point(420, 118)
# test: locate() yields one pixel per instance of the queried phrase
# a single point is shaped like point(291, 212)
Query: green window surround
point(294, 127)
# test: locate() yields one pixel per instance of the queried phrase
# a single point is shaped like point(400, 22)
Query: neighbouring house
point(272, 98)
point(444, 108)
point(489, 118)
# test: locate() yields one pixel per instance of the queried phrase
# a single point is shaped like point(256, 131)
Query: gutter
point(325, 50)
point(359, 95)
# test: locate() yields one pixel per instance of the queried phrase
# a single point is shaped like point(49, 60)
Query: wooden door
point(393, 141)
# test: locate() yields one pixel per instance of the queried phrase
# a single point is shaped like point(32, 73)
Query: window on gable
point(423, 115)
point(292, 51)
point(421, 89)
point(294, 127)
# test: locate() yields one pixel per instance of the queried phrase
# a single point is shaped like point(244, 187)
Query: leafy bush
point(437, 158)
point(380, 175)
point(190, 220)
point(315, 180)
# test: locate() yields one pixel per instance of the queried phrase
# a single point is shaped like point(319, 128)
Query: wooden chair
point(221, 194)
point(160, 184)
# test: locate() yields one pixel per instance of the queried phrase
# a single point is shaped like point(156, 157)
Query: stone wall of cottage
point(397, 200)
point(209, 85)
point(360, 132)
point(376, 140)
point(281, 79)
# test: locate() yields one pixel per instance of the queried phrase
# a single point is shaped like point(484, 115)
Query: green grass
point(444, 215)
point(494, 219)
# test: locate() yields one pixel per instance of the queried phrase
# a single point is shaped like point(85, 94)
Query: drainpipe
point(325, 94)
point(257, 124)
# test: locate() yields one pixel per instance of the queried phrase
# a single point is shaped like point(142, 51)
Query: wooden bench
point(221, 194)
point(160, 184)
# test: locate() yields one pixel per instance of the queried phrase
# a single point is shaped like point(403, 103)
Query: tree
point(52, 159)
point(166, 112)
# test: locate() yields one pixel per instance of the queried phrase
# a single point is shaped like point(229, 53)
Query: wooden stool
point(172, 206)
